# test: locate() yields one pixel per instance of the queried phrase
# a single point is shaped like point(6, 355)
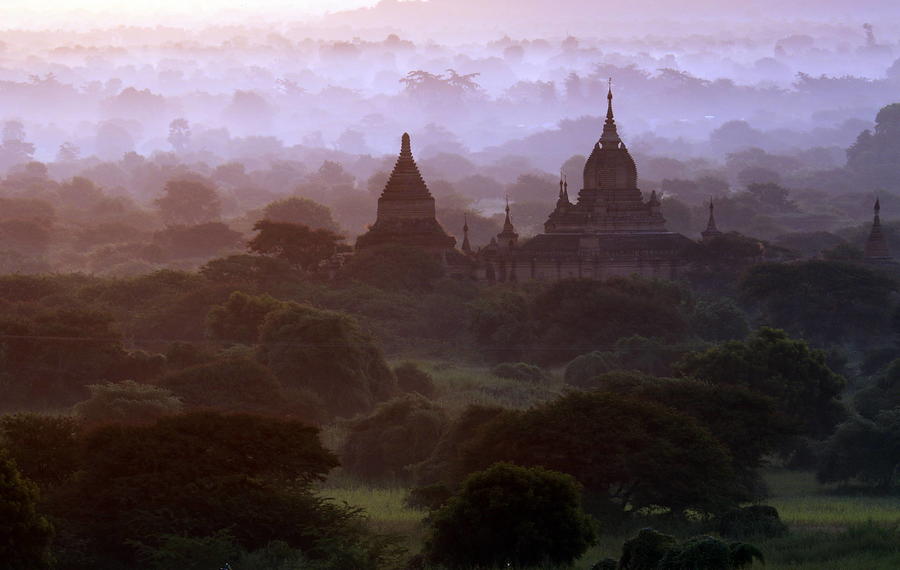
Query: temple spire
point(876, 246)
point(610, 137)
point(405, 146)
point(466, 247)
point(508, 237)
point(711, 230)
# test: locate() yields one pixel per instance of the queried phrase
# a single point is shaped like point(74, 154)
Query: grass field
point(827, 531)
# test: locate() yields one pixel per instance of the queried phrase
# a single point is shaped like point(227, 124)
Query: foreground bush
point(652, 550)
point(511, 516)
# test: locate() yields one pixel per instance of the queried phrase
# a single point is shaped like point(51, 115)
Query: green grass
point(460, 386)
point(804, 504)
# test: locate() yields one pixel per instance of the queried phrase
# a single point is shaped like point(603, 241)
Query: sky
point(100, 13)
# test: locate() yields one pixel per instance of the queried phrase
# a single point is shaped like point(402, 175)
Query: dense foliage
point(511, 516)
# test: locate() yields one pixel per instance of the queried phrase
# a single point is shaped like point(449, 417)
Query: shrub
point(511, 516)
point(430, 497)
point(520, 371)
point(399, 433)
point(127, 402)
point(328, 354)
point(751, 522)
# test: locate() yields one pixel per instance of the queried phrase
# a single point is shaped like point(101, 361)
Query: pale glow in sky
point(14, 13)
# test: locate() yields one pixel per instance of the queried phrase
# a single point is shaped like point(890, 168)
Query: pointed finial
point(405, 145)
point(507, 206)
point(560, 184)
point(566, 182)
point(466, 222)
point(609, 98)
point(877, 204)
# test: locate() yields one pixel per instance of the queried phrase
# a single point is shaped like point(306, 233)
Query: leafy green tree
point(787, 370)
point(868, 450)
point(197, 474)
point(511, 516)
point(719, 320)
point(748, 424)
point(381, 446)
point(628, 454)
point(44, 447)
point(874, 155)
point(239, 384)
point(501, 324)
point(26, 534)
point(301, 211)
point(652, 550)
point(411, 378)
point(566, 314)
point(126, 402)
point(57, 354)
point(328, 354)
point(201, 240)
point(297, 244)
point(826, 301)
point(446, 465)
point(189, 202)
point(249, 272)
point(239, 319)
point(883, 393)
point(394, 267)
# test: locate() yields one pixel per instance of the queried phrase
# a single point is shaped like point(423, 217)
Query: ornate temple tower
point(406, 214)
point(508, 238)
point(711, 230)
point(610, 200)
point(876, 246)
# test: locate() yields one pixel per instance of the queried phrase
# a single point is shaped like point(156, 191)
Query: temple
point(610, 229)
point(406, 213)
point(876, 246)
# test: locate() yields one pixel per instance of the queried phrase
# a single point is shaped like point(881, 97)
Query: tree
point(13, 148)
point(126, 402)
point(750, 425)
point(583, 370)
point(26, 534)
point(827, 301)
point(295, 243)
point(196, 474)
point(873, 156)
point(511, 516)
point(652, 550)
point(68, 152)
point(628, 454)
point(328, 354)
point(301, 211)
point(179, 134)
point(393, 267)
point(565, 313)
point(380, 447)
point(237, 384)
point(868, 450)
point(787, 370)
point(412, 379)
point(239, 318)
point(882, 394)
point(44, 447)
point(201, 240)
point(188, 202)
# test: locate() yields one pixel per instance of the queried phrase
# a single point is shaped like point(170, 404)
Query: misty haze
point(450, 284)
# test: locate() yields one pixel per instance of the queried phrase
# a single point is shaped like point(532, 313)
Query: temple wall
point(506, 270)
